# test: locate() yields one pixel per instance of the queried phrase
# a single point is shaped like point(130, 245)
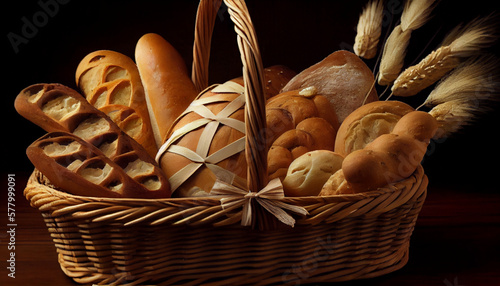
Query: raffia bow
point(269, 198)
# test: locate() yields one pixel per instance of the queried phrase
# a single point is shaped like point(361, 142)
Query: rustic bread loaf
point(110, 81)
point(55, 107)
point(343, 78)
point(79, 168)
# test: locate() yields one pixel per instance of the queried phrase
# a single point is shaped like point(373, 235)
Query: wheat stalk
point(461, 95)
point(415, 14)
point(452, 116)
point(369, 29)
point(460, 44)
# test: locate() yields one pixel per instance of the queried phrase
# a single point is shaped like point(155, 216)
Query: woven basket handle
point(255, 113)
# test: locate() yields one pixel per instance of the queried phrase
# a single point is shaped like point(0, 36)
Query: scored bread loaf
point(368, 122)
point(55, 107)
point(387, 159)
point(298, 122)
point(343, 78)
point(110, 81)
point(167, 83)
point(78, 167)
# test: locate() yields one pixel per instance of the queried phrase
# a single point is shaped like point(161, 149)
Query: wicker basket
point(202, 240)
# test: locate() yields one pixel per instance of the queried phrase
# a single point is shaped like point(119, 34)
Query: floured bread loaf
point(298, 122)
point(110, 81)
point(342, 77)
point(55, 107)
point(78, 167)
point(275, 78)
point(368, 122)
point(308, 173)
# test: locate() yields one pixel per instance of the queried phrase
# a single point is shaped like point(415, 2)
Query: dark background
point(293, 33)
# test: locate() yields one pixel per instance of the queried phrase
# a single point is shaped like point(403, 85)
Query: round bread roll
point(367, 123)
point(298, 121)
point(343, 78)
point(308, 173)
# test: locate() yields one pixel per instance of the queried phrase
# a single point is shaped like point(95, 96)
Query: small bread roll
point(367, 123)
point(308, 173)
point(335, 185)
point(342, 77)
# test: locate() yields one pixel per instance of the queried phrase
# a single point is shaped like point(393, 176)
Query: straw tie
point(269, 198)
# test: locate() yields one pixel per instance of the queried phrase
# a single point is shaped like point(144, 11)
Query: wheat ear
point(459, 97)
point(369, 29)
point(415, 14)
point(461, 43)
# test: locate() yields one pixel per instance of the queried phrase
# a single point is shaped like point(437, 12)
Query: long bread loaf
point(55, 107)
point(110, 81)
point(78, 167)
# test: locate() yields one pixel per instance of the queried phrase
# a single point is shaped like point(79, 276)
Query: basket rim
point(200, 211)
point(38, 178)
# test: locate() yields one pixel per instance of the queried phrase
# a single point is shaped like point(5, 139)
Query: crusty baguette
point(110, 81)
point(168, 86)
point(55, 107)
point(79, 168)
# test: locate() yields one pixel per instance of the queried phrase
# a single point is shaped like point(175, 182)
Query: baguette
point(55, 107)
point(78, 167)
point(110, 81)
point(169, 89)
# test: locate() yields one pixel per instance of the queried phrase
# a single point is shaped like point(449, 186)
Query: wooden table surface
point(455, 242)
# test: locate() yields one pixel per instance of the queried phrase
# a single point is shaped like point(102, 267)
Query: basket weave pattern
point(198, 240)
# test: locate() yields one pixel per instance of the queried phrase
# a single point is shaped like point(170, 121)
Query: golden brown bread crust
point(203, 145)
point(55, 107)
point(367, 123)
point(275, 78)
point(110, 81)
point(79, 168)
point(388, 159)
point(342, 77)
point(167, 84)
point(307, 124)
